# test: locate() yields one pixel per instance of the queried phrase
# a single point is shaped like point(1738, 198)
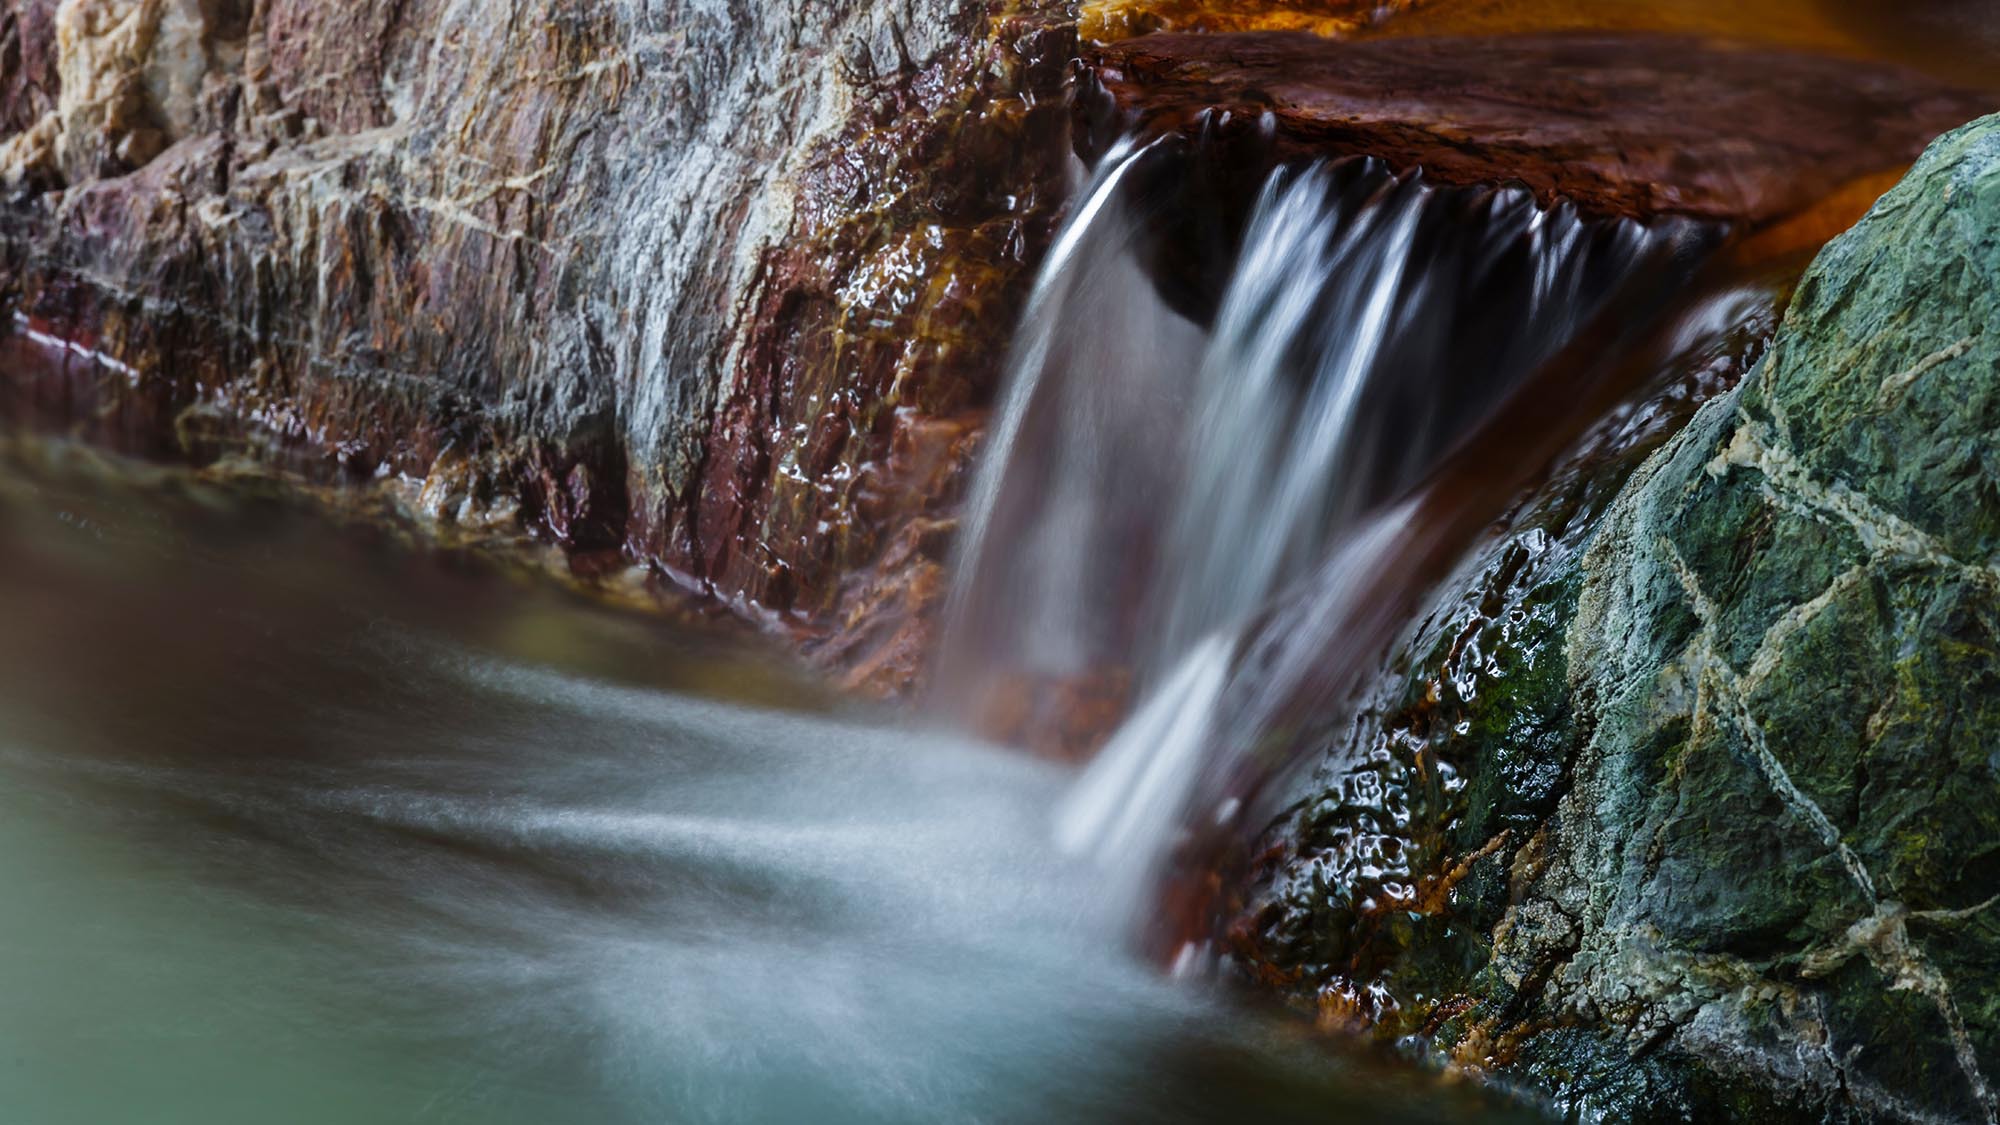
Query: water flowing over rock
point(1153, 482)
point(1689, 808)
point(715, 288)
point(719, 295)
point(1676, 801)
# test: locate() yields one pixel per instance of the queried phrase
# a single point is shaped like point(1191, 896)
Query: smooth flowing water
point(299, 825)
point(1151, 481)
point(1157, 487)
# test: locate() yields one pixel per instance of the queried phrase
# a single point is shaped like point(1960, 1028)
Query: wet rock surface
point(1681, 805)
point(1109, 20)
point(719, 293)
point(1626, 124)
point(724, 298)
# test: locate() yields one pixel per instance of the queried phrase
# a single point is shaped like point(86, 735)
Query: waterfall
point(1155, 486)
point(1093, 232)
point(1189, 734)
point(1142, 779)
point(1081, 392)
point(1266, 479)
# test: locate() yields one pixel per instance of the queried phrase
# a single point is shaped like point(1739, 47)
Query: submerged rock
point(1692, 809)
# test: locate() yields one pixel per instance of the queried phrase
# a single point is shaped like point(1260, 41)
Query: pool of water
point(300, 824)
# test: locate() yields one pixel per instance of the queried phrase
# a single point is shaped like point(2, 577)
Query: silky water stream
point(300, 824)
point(1231, 518)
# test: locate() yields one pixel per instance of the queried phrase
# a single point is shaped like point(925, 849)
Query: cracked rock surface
point(719, 289)
point(1691, 809)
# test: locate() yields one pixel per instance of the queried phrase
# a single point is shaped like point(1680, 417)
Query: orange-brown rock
point(1637, 125)
point(1108, 20)
point(1955, 39)
point(1814, 25)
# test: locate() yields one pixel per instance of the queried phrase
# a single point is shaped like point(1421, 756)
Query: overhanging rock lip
point(1619, 125)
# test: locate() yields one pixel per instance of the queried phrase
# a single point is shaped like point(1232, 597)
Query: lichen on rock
point(1712, 819)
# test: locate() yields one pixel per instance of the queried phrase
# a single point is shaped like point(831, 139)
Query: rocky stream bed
point(1669, 789)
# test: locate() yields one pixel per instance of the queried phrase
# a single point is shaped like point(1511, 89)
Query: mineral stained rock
point(1626, 124)
point(1109, 20)
point(1685, 805)
point(716, 289)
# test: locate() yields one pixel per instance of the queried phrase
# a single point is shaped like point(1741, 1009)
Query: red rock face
point(28, 81)
point(722, 297)
point(1635, 125)
point(831, 478)
point(339, 64)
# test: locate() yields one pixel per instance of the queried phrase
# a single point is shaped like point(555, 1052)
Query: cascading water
point(1091, 313)
point(1269, 447)
point(1153, 485)
point(365, 838)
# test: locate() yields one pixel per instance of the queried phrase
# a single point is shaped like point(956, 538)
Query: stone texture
point(1628, 124)
point(719, 292)
point(1110, 20)
point(718, 289)
point(1688, 810)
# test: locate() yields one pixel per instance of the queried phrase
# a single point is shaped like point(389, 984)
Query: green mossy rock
point(1699, 813)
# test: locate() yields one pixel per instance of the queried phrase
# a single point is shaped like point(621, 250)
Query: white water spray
point(1152, 489)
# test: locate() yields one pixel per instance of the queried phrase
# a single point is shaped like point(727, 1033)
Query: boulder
point(1685, 804)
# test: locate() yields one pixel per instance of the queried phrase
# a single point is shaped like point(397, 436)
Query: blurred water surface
point(298, 824)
